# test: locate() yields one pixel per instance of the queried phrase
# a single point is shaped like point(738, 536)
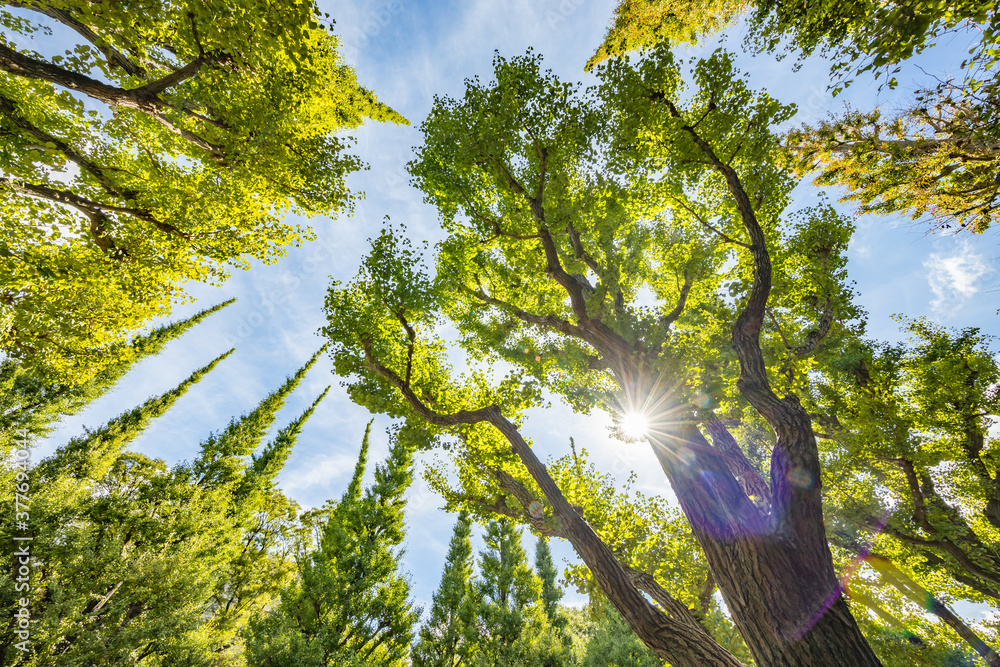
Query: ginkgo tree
point(628, 251)
point(168, 145)
point(936, 160)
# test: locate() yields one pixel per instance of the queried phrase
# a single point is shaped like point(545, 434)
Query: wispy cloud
point(954, 278)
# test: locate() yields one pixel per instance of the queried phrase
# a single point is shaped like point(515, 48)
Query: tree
point(551, 592)
point(140, 563)
point(917, 496)
point(937, 158)
point(444, 638)
point(349, 604)
point(35, 404)
point(506, 592)
point(205, 123)
point(262, 565)
point(560, 206)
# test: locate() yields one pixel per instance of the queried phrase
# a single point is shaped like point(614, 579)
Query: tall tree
point(35, 404)
point(204, 124)
point(936, 159)
point(507, 590)
point(551, 592)
point(223, 454)
point(917, 489)
point(444, 637)
point(136, 559)
point(350, 604)
point(561, 207)
point(262, 563)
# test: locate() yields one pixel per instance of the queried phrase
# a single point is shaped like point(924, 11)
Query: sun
point(634, 425)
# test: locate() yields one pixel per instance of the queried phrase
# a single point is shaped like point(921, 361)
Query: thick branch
point(648, 584)
point(797, 507)
point(143, 99)
point(672, 316)
point(746, 474)
point(544, 321)
point(819, 333)
point(88, 206)
point(682, 645)
point(8, 108)
point(113, 56)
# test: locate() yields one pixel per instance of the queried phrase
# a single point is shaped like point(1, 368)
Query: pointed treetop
point(36, 404)
point(266, 465)
point(443, 639)
point(353, 492)
point(151, 343)
point(106, 443)
point(222, 454)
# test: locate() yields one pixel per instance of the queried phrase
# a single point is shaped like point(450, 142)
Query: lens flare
point(634, 425)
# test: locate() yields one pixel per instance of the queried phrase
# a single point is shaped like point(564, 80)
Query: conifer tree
point(134, 556)
point(35, 404)
point(98, 510)
point(444, 638)
point(508, 590)
point(551, 592)
point(350, 605)
point(264, 519)
point(223, 454)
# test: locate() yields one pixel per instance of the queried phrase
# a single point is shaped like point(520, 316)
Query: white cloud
point(954, 278)
point(319, 470)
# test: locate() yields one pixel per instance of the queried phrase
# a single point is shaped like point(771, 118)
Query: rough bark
point(775, 572)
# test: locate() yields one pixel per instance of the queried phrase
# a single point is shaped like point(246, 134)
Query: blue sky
point(408, 52)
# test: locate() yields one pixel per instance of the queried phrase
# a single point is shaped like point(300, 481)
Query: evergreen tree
point(35, 404)
point(94, 520)
point(261, 564)
point(508, 594)
point(444, 637)
point(551, 592)
point(141, 564)
point(223, 454)
point(350, 605)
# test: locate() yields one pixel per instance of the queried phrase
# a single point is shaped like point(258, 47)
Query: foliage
point(913, 475)
point(639, 24)
point(35, 404)
point(567, 211)
point(137, 563)
point(939, 159)
point(551, 593)
point(607, 641)
point(167, 146)
point(444, 637)
point(349, 604)
point(858, 35)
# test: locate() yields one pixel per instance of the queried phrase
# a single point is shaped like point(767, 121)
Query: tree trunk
point(782, 592)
